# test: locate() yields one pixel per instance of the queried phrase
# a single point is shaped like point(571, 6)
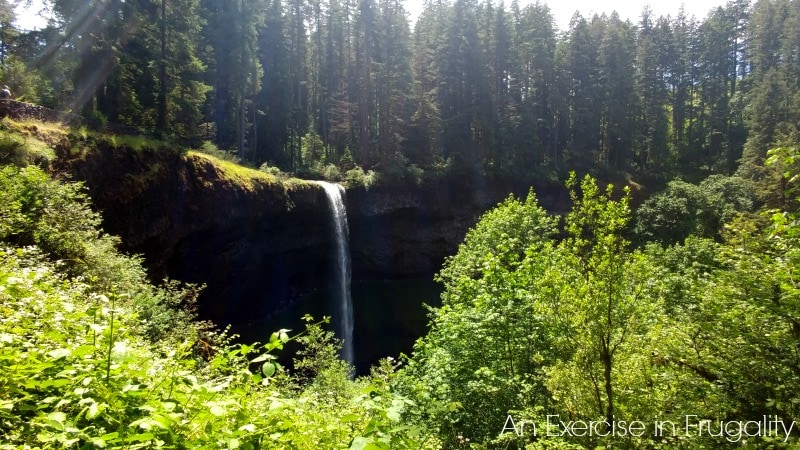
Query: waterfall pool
point(389, 316)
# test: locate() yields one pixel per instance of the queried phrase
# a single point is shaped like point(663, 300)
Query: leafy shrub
point(331, 173)
point(19, 150)
point(57, 218)
point(93, 356)
point(357, 177)
point(78, 375)
point(11, 145)
point(272, 170)
point(209, 148)
point(415, 173)
point(685, 209)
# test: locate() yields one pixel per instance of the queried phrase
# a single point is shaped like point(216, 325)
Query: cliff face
point(408, 231)
point(256, 243)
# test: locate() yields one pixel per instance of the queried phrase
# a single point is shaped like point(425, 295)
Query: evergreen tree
point(652, 89)
point(619, 102)
point(393, 81)
point(7, 30)
point(231, 33)
point(181, 91)
point(298, 74)
point(721, 34)
point(534, 88)
point(463, 91)
point(274, 101)
point(582, 75)
point(425, 140)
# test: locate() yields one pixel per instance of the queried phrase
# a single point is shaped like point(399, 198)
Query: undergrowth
point(95, 356)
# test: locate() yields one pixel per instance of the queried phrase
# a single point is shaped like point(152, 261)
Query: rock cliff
point(258, 243)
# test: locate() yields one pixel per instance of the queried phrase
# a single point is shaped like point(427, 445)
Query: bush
point(77, 374)
point(357, 177)
point(272, 170)
point(93, 356)
point(20, 151)
point(331, 173)
point(415, 173)
point(686, 209)
point(209, 148)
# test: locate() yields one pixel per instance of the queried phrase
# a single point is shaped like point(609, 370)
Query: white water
point(344, 321)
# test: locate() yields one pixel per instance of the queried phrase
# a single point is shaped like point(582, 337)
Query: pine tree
point(231, 33)
point(652, 89)
point(581, 64)
point(619, 102)
point(425, 140)
point(535, 90)
point(274, 102)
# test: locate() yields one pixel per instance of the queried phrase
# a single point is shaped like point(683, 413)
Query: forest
point(319, 88)
point(658, 310)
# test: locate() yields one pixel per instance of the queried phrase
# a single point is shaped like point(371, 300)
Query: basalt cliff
point(256, 242)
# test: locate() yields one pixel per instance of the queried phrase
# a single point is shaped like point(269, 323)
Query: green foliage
point(485, 351)
point(78, 375)
point(209, 148)
point(57, 218)
point(783, 162)
point(331, 173)
point(506, 232)
point(584, 328)
point(686, 209)
point(274, 171)
point(358, 177)
point(313, 152)
point(19, 150)
point(95, 357)
point(492, 89)
point(27, 84)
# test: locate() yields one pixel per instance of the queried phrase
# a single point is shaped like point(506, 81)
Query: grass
point(134, 142)
point(32, 142)
point(246, 177)
point(23, 144)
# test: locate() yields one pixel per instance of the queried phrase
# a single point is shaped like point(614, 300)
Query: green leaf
point(93, 411)
point(217, 410)
point(250, 428)
point(263, 357)
point(350, 418)
point(140, 437)
point(57, 416)
point(59, 353)
point(268, 369)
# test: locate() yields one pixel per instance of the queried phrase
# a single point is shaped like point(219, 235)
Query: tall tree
point(652, 89)
point(425, 144)
point(181, 91)
point(464, 93)
point(298, 74)
point(234, 69)
point(721, 50)
point(7, 29)
point(393, 81)
point(582, 75)
point(275, 97)
point(617, 79)
point(94, 32)
point(535, 87)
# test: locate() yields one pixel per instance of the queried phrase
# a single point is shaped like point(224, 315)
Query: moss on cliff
point(35, 142)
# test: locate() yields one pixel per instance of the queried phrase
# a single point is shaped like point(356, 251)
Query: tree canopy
point(476, 88)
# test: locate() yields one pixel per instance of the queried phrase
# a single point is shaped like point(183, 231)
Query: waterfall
point(344, 321)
